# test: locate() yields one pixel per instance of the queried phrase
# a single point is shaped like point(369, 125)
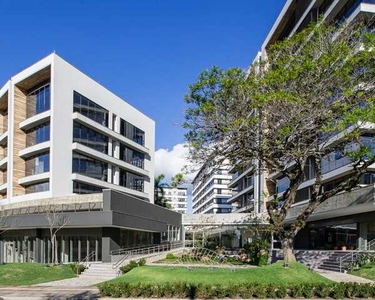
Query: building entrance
point(339, 237)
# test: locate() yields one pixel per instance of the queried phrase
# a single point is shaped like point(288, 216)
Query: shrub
point(244, 291)
point(322, 290)
point(141, 262)
point(281, 292)
point(170, 256)
point(308, 292)
point(257, 251)
point(296, 291)
point(77, 268)
point(263, 258)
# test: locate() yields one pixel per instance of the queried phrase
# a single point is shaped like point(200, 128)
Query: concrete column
point(117, 176)
point(70, 249)
point(2, 251)
point(110, 120)
point(110, 242)
point(79, 249)
point(88, 246)
point(110, 175)
point(96, 249)
point(18, 250)
point(63, 249)
point(362, 237)
point(28, 259)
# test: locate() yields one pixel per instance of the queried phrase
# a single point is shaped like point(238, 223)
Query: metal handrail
point(86, 260)
point(350, 256)
point(125, 250)
point(146, 251)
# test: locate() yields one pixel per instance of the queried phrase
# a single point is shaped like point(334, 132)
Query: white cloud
point(171, 162)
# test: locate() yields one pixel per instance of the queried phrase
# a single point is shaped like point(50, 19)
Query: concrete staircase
point(99, 270)
point(317, 259)
point(332, 263)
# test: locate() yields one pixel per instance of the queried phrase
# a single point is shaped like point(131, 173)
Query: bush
point(257, 251)
point(77, 268)
point(244, 291)
point(170, 256)
point(131, 265)
point(141, 262)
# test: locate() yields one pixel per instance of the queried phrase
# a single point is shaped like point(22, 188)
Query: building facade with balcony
point(177, 198)
point(346, 219)
point(64, 135)
point(211, 191)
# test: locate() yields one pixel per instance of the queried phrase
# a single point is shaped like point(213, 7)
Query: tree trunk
point(287, 246)
point(52, 250)
point(56, 254)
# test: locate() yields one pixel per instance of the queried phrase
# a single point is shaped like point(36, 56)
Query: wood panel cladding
point(19, 140)
point(4, 113)
point(35, 79)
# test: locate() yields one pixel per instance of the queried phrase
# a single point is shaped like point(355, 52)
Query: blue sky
point(145, 51)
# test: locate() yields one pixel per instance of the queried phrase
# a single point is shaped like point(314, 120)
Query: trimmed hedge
point(244, 291)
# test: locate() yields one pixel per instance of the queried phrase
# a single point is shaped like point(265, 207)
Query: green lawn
point(275, 273)
point(367, 271)
point(32, 273)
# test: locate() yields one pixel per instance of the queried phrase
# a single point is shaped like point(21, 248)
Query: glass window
point(282, 184)
point(38, 135)
point(90, 138)
point(88, 166)
point(90, 109)
point(83, 188)
point(38, 101)
point(131, 181)
point(367, 178)
point(131, 132)
point(132, 156)
point(37, 188)
point(37, 164)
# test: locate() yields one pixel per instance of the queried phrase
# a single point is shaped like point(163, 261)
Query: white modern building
point(70, 146)
point(210, 190)
point(177, 198)
point(63, 133)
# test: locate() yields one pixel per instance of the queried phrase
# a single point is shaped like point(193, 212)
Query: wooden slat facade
point(19, 140)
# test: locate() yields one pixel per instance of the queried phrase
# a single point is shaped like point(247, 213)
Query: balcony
point(108, 159)
point(33, 179)
point(108, 132)
point(36, 149)
point(35, 120)
point(359, 200)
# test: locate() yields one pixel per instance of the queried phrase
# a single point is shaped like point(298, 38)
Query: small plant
point(141, 262)
point(170, 256)
point(77, 268)
point(131, 265)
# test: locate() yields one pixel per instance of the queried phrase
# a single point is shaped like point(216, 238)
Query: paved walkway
point(36, 293)
point(73, 282)
point(342, 277)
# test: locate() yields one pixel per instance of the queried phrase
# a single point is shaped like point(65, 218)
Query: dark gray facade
point(123, 221)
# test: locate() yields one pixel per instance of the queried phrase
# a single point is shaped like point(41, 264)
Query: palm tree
point(177, 179)
point(159, 191)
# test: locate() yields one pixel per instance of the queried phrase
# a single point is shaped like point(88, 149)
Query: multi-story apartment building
point(347, 218)
point(177, 198)
point(63, 135)
point(210, 190)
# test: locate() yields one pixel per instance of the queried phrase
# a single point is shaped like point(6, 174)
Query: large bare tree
point(311, 97)
point(56, 220)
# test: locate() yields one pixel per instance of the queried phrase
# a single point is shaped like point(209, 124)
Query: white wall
point(67, 79)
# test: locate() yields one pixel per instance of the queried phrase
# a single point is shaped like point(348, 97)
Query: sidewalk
point(36, 293)
point(342, 277)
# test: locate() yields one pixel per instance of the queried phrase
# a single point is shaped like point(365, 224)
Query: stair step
point(335, 269)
